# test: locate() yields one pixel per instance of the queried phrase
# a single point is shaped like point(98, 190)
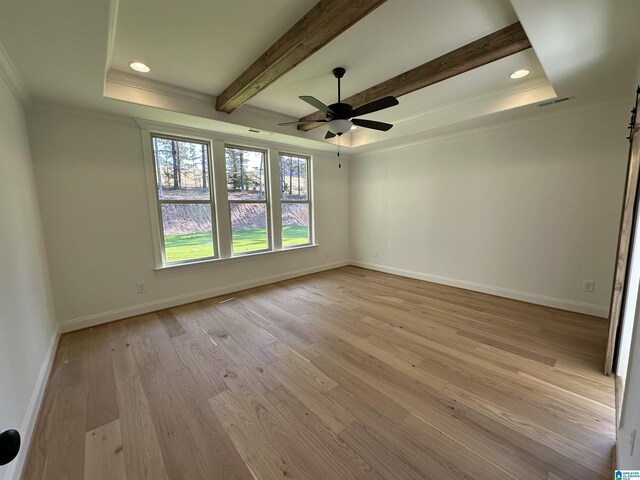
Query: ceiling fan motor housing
point(340, 110)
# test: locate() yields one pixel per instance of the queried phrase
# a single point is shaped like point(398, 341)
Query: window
point(183, 195)
point(247, 194)
point(211, 200)
point(295, 200)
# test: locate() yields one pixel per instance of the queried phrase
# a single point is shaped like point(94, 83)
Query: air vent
point(260, 132)
point(553, 102)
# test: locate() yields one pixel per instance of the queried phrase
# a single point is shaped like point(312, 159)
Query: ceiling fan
point(340, 117)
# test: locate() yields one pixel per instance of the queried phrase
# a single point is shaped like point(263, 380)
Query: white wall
point(27, 324)
point(91, 183)
point(527, 210)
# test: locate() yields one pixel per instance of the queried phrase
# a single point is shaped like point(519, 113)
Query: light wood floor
point(346, 374)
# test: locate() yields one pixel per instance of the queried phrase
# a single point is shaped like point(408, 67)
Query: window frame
point(159, 202)
point(308, 201)
point(267, 198)
point(220, 213)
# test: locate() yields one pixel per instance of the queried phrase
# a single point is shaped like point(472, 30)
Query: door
point(627, 224)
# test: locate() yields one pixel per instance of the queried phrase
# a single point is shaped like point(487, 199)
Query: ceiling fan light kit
point(340, 117)
point(338, 126)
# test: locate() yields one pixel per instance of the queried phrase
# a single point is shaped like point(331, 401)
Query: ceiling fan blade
point(329, 135)
point(372, 124)
point(374, 106)
point(314, 102)
point(302, 123)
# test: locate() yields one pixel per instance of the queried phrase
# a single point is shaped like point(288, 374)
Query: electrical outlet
point(376, 254)
point(588, 285)
point(326, 254)
point(140, 287)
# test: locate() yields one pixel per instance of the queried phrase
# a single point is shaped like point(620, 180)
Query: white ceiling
point(202, 45)
point(64, 49)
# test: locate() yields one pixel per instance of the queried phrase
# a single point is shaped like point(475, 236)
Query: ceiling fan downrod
point(338, 72)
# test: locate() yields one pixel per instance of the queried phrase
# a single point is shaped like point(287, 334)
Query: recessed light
point(520, 73)
point(139, 67)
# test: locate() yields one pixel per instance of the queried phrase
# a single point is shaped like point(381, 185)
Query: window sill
point(218, 261)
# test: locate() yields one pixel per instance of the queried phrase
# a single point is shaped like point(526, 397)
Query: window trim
point(217, 177)
point(309, 200)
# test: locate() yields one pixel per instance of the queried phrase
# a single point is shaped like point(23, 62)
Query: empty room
point(319, 239)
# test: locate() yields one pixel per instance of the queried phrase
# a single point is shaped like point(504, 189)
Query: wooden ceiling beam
point(497, 45)
point(324, 22)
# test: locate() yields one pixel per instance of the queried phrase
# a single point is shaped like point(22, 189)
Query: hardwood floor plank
point(102, 406)
point(143, 349)
point(221, 459)
point(285, 442)
point(251, 442)
point(302, 366)
point(104, 458)
point(162, 344)
point(354, 384)
point(204, 361)
point(325, 447)
point(443, 447)
point(568, 447)
point(171, 324)
point(383, 460)
point(331, 414)
point(65, 455)
point(531, 355)
point(432, 458)
point(238, 359)
point(535, 452)
point(584, 421)
point(122, 357)
point(406, 356)
point(142, 455)
point(182, 455)
point(225, 333)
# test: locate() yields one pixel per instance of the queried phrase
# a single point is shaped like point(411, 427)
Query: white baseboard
point(132, 311)
point(118, 314)
point(14, 471)
point(571, 305)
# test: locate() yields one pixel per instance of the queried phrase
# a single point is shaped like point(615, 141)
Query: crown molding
point(12, 78)
point(368, 150)
point(154, 86)
point(531, 85)
point(466, 104)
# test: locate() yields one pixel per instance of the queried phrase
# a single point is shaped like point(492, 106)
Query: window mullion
point(276, 207)
point(223, 213)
